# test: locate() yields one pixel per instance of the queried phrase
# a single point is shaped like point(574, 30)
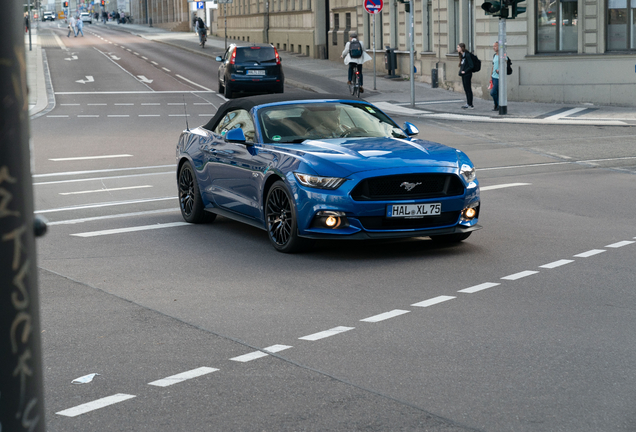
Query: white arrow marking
point(144, 79)
point(72, 57)
point(88, 79)
point(114, 57)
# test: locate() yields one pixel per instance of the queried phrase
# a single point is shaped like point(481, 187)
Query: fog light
point(470, 213)
point(330, 219)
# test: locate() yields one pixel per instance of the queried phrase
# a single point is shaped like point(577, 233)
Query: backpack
point(509, 67)
point(476, 62)
point(355, 49)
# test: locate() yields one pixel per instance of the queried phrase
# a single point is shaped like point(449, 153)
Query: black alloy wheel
point(190, 200)
point(282, 227)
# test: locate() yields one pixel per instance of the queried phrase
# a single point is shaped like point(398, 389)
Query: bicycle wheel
point(354, 87)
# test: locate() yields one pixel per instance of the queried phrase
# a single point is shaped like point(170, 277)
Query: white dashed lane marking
point(96, 404)
point(327, 333)
point(259, 354)
point(479, 287)
point(589, 253)
point(556, 264)
point(89, 157)
point(620, 244)
point(520, 275)
point(385, 315)
point(433, 301)
point(130, 229)
point(183, 376)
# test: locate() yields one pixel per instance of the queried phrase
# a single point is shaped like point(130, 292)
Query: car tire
point(190, 201)
point(281, 219)
point(227, 91)
point(280, 89)
point(221, 88)
point(451, 238)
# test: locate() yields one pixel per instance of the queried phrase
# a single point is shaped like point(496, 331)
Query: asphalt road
point(528, 325)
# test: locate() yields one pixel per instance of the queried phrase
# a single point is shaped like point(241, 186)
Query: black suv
point(250, 67)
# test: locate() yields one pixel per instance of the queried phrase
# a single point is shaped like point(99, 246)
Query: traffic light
point(65, 4)
point(516, 10)
point(103, 2)
point(495, 8)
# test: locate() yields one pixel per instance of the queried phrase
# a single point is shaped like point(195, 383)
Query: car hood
point(353, 155)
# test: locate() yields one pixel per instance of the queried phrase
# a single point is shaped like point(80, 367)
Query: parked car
point(250, 67)
point(86, 17)
point(323, 167)
point(48, 16)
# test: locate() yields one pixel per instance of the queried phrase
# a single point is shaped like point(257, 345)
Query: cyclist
point(354, 55)
point(202, 31)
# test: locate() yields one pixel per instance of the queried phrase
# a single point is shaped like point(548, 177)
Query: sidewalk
point(391, 95)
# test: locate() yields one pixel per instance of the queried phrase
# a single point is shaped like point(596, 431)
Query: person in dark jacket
point(466, 72)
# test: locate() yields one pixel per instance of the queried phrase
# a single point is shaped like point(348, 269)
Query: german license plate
point(413, 210)
point(255, 72)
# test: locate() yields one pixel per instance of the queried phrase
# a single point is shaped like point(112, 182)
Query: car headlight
point(468, 172)
point(313, 181)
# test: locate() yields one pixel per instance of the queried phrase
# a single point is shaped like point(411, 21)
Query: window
point(336, 27)
point(557, 26)
point(621, 25)
point(237, 119)
point(427, 23)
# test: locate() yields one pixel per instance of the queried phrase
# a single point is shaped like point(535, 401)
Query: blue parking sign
point(200, 5)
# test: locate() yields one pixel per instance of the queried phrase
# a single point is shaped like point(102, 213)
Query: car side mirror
point(219, 58)
point(235, 136)
point(410, 129)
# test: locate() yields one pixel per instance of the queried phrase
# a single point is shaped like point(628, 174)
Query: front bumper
point(368, 220)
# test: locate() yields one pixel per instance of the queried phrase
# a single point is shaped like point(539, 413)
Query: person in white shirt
point(354, 56)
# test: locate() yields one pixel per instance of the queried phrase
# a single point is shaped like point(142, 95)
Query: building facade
point(565, 51)
point(170, 14)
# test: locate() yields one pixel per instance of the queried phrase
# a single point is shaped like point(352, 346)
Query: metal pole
point(21, 393)
point(503, 87)
point(374, 53)
point(412, 53)
point(30, 25)
point(225, 15)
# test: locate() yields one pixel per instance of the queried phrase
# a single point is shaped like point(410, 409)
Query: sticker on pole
point(373, 6)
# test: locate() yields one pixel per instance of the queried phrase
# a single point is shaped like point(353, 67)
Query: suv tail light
point(233, 58)
point(277, 56)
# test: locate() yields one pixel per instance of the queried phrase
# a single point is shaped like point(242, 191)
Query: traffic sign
point(200, 5)
point(373, 6)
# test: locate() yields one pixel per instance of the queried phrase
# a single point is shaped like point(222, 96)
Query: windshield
point(255, 54)
point(295, 123)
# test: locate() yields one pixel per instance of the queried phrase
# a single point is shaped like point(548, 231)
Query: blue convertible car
point(323, 168)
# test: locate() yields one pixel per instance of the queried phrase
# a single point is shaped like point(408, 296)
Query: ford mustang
point(323, 167)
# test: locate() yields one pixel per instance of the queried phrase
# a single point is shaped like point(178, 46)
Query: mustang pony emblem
point(409, 186)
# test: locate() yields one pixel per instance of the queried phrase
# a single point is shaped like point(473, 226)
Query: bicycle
point(203, 37)
point(354, 87)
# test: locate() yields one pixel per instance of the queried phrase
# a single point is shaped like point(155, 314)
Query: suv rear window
point(255, 54)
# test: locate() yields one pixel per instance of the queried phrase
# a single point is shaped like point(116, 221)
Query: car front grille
point(397, 187)
point(384, 223)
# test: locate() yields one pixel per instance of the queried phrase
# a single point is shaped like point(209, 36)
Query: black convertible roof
point(247, 103)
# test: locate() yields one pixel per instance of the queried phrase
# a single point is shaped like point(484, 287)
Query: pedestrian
point(71, 27)
point(494, 92)
point(466, 72)
point(80, 27)
point(26, 22)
